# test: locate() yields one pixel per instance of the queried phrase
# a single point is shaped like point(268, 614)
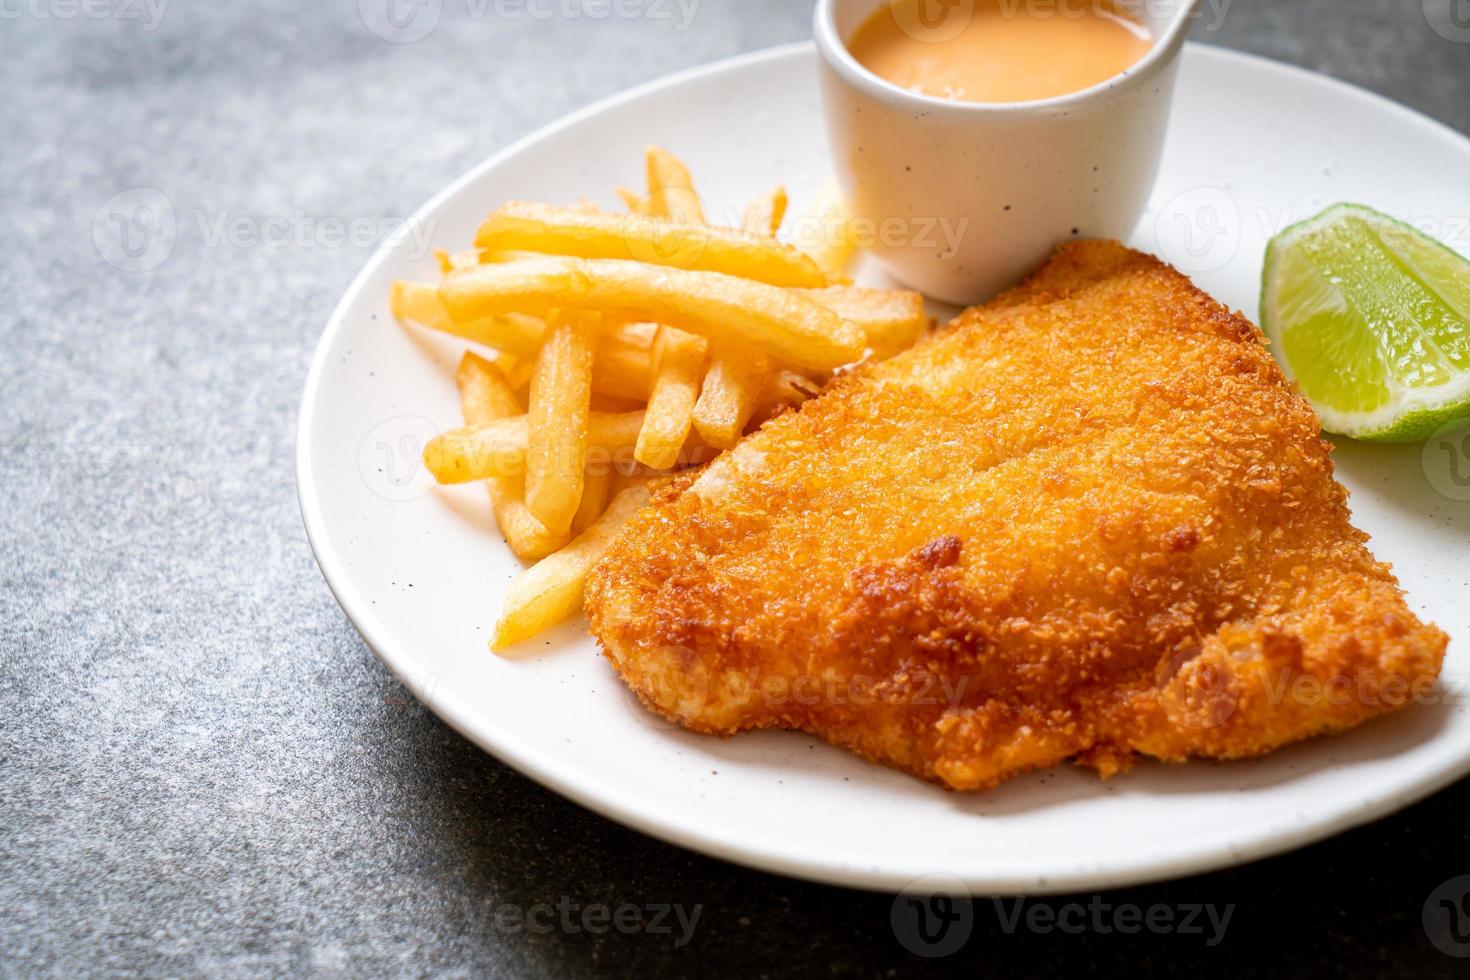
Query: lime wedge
point(1372, 318)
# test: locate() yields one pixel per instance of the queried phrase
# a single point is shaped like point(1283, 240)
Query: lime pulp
point(1372, 318)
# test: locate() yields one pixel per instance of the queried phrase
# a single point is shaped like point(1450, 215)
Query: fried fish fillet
point(1087, 521)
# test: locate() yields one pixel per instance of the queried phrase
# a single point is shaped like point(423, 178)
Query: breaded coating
point(1088, 520)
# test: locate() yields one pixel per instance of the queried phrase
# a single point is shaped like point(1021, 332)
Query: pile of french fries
point(624, 347)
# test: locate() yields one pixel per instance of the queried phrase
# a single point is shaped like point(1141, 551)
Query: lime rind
point(1389, 406)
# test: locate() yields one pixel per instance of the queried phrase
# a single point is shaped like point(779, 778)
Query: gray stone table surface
point(202, 767)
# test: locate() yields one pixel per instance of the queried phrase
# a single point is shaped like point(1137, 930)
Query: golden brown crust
point(1090, 519)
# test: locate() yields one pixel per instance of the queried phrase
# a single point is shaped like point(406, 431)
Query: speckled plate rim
point(1169, 860)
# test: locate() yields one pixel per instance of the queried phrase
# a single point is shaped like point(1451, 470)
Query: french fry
point(765, 214)
point(728, 393)
point(639, 335)
point(724, 309)
point(596, 488)
point(528, 537)
point(515, 334)
point(527, 227)
point(492, 451)
point(483, 452)
point(621, 368)
point(557, 424)
point(518, 372)
point(731, 391)
point(418, 302)
point(678, 367)
point(612, 405)
point(676, 387)
point(627, 474)
point(891, 319)
point(510, 367)
point(832, 242)
point(495, 257)
point(593, 314)
point(487, 397)
point(631, 200)
point(785, 389)
point(452, 261)
point(551, 591)
point(671, 192)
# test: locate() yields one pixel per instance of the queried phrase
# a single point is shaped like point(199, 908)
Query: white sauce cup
point(961, 199)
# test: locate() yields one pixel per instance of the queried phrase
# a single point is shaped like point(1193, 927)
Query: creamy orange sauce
point(1002, 50)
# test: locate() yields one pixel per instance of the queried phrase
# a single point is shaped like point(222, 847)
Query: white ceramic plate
point(420, 571)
